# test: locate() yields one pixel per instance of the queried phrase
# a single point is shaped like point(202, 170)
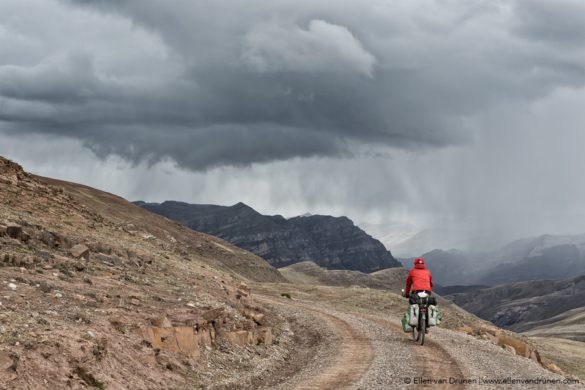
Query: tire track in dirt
point(353, 357)
point(436, 362)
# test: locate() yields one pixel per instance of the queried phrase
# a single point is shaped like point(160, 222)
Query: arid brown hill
point(96, 292)
point(392, 279)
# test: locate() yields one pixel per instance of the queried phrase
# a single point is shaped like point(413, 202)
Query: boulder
point(14, 231)
point(255, 316)
point(8, 361)
point(489, 337)
point(213, 314)
point(100, 247)
point(554, 368)
point(180, 339)
point(243, 290)
point(54, 240)
point(485, 329)
point(187, 341)
point(161, 322)
point(24, 237)
point(264, 336)
point(465, 329)
point(238, 337)
point(2, 230)
point(45, 286)
point(204, 337)
point(80, 251)
point(535, 356)
point(521, 347)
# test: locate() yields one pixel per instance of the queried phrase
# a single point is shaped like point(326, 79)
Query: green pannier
point(405, 327)
point(434, 315)
point(413, 313)
point(410, 318)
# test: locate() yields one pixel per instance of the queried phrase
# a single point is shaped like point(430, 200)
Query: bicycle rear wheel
point(423, 328)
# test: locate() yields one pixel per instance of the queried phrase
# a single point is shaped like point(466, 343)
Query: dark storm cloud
point(234, 83)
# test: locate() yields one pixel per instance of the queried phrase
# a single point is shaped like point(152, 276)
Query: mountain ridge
point(331, 242)
point(524, 305)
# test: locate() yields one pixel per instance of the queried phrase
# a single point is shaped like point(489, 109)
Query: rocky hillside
point(331, 242)
point(98, 293)
point(525, 305)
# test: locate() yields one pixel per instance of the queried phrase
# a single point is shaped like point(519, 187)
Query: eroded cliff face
point(331, 242)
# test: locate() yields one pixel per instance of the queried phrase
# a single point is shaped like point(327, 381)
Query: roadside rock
point(520, 347)
point(554, 368)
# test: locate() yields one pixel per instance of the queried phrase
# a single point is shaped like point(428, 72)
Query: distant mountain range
point(542, 257)
point(330, 242)
point(527, 305)
point(426, 240)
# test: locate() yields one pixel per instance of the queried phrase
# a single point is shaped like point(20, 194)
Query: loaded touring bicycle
point(422, 314)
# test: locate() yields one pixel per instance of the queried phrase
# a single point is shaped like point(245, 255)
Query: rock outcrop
point(509, 342)
point(330, 242)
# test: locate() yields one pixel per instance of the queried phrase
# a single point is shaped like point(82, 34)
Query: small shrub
point(286, 295)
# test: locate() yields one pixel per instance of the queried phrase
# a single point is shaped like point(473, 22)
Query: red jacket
point(419, 278)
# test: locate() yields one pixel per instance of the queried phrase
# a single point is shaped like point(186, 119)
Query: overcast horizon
point(432, 113)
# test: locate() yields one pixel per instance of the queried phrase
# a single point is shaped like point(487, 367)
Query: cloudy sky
point(429, 112)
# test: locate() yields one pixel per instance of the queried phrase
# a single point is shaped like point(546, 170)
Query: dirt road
point(369, 351)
